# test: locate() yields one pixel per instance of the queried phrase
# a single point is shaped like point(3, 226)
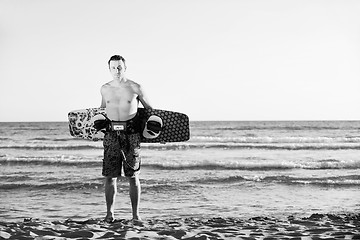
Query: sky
point(209, 59)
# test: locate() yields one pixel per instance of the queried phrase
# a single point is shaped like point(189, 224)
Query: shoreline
point(316, 226)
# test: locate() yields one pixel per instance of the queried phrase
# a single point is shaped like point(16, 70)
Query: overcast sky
point(210, 59)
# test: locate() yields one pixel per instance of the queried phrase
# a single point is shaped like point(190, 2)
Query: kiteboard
point(156, 126)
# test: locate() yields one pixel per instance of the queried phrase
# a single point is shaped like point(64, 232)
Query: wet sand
point(317, 226)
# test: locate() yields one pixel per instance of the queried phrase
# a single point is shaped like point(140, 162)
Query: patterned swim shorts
point(121, 150)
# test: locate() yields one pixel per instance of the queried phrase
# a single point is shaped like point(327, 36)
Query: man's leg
point(135, 191)
point(110, 195)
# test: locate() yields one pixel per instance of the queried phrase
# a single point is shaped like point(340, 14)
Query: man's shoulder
point(104, 88)
point(135, 86)
point(133, 83)
point(108, 84)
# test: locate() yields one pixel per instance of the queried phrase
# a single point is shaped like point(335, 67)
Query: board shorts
point(122, 151)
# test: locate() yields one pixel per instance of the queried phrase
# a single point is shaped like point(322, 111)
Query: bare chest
point(118, 95)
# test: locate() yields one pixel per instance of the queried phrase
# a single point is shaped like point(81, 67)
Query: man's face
point(117, 69)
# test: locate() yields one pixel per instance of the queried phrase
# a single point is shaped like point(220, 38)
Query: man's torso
point(121, 100)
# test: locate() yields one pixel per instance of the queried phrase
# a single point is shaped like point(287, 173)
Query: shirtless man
point(120, 98)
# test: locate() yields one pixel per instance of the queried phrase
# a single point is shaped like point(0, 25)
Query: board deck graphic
point(175, 125)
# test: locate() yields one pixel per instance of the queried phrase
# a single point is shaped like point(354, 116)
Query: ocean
point(236, 169)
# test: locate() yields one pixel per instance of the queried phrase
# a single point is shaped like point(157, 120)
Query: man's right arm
point(103, 103)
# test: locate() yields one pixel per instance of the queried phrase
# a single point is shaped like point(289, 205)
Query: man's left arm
point(142, 98)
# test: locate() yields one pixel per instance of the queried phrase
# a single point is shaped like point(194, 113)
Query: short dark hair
point(117, 58)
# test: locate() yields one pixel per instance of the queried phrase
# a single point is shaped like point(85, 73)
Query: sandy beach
point(316, 226)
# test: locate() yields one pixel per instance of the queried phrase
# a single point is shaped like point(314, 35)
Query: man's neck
point(120, 80)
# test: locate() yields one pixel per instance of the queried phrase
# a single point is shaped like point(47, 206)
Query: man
point(120, 98)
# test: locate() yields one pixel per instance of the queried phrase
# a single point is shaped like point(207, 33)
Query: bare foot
point(137, 221)
point(109, 219)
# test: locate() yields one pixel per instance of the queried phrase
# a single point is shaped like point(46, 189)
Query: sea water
point(227, 169)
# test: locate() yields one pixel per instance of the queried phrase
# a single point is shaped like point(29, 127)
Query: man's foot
point(109, 219)
point(137, 221)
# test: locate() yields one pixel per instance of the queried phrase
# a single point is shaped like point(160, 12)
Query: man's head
point(117, 58)
point(117, 66)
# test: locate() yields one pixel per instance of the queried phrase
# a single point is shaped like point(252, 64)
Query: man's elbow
point(148, 106)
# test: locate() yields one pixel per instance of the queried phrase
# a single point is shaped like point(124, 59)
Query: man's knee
point(134, 181)
point(110, 180)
